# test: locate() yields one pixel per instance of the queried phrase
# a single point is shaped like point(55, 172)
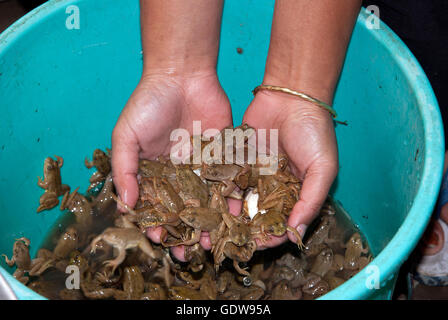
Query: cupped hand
point(160, 104)
point(306, 134)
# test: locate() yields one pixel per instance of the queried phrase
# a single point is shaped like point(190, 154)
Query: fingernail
point(302, 229)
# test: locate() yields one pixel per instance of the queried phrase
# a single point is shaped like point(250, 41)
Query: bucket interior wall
point(61, 92)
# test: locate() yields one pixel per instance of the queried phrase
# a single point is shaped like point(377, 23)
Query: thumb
point(125, 166)
point(317, 183)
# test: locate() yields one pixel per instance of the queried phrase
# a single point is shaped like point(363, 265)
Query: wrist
point(181, 77)
point(283, 106)
point(287, 79)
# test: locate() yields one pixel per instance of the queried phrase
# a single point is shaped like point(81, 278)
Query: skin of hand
point(179, 85)
point(159, 105)
point(306, 135)
point(307, 49)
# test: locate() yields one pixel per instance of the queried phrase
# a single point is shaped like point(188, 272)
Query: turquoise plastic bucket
point(61, 92)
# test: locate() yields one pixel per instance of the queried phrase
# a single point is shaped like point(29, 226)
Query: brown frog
point(185, 293)
point(68, 242)
point(77, 204)
point(333, 281)
point(206, 285)
point(104, 199)
point(122, 239)
point(323, 262)
point(238, 254)
point(224, 173)
point(195, 255)
point(237, 232)
point(272, 223)
point(133, 286)
point(252, 293)
point(283, 291)
point(353, 253)
point(223, 281)
point(315, 287)
point(21, 258)
point(200, 219)
point(52, 184)
point(154, 291)
point(148, 217)
point(320, 236)
point(101, 161)
point(190, 186)
point(159, 191)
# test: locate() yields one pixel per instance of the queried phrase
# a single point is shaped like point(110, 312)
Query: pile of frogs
point(115, 259)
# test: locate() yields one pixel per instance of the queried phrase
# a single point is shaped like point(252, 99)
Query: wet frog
point(200, 219)
point(104, 199)
point(185, 293)
point(236, 231)
point(52, 184)
point(21, 258)
point(67, 243)
point(353, 258)
point(323, 262)
point(320, 236)
point(190, 186)
point(122, 239)
point(283, 291)
point(77, 204)
point(272, 223)
point(101, 161)
point(195, 255)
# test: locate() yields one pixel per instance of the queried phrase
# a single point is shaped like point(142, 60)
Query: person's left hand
point(306, 135)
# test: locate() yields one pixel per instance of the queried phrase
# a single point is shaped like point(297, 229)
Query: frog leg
point(227, 188)
point(219, 248)
point(196, 237)
point(87, 163)
point(94, 243)
point(60, 161)
point(8, 261)
point(220, 234)
point(297, 235)
point(41, 183)
point(165, 272)
point(146, 247)
point(124, 205)
point(261, 235)
point(39, 265)
point(47, 201)
point(192, 203)
point(19, 274)
point(239, 269)
point(117, 261)
point(172, 231)
point(64, 188)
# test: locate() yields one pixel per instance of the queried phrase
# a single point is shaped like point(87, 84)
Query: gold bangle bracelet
point(297, 94)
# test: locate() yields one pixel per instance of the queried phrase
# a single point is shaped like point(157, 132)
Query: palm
point(159, 107)
point(306, 135)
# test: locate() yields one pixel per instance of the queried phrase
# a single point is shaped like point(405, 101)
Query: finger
point(235, 206)
point(205, 241)
point(272, 243)
point(317, 183)
point(179, 253)
point(125, 166)
point(154, 234)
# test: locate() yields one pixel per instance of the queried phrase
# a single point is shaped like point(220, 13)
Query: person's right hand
point(160, 104)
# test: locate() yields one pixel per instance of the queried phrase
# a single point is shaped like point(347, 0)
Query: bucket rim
point(399, 247)
point(424, 202)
